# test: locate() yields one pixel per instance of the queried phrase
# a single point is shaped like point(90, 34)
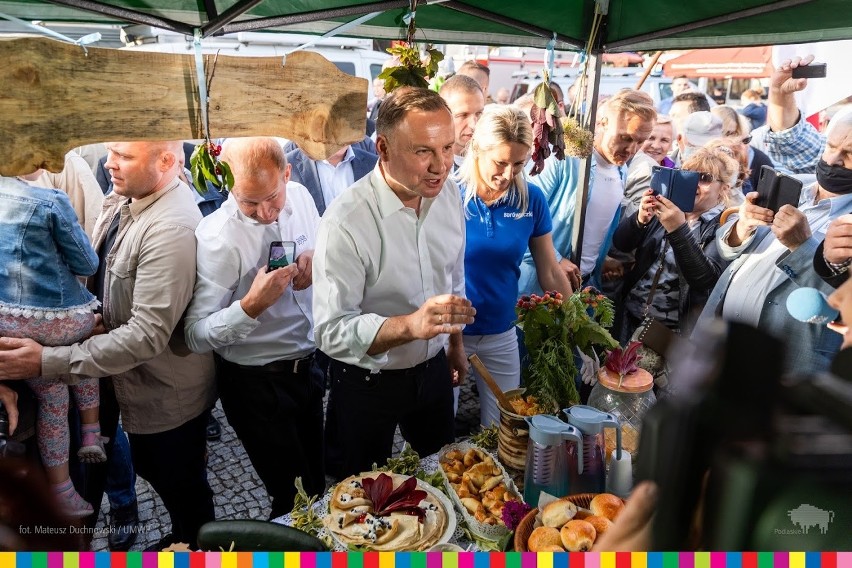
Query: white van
point(613, 79)
point(353, 56)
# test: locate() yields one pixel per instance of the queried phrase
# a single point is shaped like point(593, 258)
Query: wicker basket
point(527, 524)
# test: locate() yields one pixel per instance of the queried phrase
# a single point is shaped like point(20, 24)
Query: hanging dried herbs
point(547, 128)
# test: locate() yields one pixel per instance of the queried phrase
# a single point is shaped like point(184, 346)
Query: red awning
point(722, 63)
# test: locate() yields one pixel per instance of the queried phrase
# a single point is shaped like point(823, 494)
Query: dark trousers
point(174, 463)
point(276, 411)
point(368, 407)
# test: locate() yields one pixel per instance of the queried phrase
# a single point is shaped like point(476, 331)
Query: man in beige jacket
point(146, 244)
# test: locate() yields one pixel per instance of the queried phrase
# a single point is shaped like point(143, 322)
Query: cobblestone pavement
point(237, 490)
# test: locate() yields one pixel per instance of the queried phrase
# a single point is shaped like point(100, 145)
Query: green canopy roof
point(629, 24)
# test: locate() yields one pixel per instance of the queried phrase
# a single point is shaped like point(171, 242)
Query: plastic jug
point(547, 467)
point(586, 459)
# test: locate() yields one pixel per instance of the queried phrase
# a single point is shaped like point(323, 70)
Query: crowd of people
point(412, 248)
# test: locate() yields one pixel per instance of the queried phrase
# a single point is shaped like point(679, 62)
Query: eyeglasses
point(706, 179)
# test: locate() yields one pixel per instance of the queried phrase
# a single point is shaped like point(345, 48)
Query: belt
point(415, 370)
point(294, 366)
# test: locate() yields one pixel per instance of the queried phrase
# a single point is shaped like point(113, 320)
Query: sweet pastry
point(601, 524)
point(606, 505)
point(478, 482)
point(542, 537)
point(577, 536)
point(557, 513)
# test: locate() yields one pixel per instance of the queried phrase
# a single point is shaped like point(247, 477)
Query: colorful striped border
point(426, 560)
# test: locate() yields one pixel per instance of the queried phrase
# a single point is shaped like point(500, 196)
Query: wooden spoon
point(489, 380)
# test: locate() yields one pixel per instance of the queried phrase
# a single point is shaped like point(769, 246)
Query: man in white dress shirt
point(258, 322)
point(389, 301)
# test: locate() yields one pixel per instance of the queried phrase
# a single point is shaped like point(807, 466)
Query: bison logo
point(806, 516)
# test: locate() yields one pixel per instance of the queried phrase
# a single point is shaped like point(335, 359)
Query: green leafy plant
point(412, 71)
point(553, 327)
point(486, 438)
point(205, 166)
point(304, 514)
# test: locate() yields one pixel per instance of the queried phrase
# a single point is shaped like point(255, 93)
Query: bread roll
point(542, 537)
point(582, 514)
point(551, 548)
point(578, 536)
point(601, 524)
point(606, 505)
point(557, 513)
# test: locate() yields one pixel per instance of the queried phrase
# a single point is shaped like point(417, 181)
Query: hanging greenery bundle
point(412, 71)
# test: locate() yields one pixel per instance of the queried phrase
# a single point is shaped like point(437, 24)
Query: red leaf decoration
point(405, 498)
point(624, 361)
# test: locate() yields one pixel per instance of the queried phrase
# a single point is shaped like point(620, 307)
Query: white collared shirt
point(376, 258)
point(335, 179)
point(231, 249)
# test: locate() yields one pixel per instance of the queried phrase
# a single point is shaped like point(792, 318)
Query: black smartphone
point(678, 186)
point(776, 189)
point(281, 254)
point(812, 71)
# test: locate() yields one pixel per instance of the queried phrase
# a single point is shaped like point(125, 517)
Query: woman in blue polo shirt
point(505, 215)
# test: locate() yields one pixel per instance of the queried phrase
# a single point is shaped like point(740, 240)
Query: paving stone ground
point(237, 490)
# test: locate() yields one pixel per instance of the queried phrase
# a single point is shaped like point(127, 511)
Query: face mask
point(834, 179)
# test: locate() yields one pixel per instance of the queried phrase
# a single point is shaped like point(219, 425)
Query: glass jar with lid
point(628, 398)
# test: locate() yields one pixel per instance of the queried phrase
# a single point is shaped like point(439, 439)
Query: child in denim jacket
point(42, 251)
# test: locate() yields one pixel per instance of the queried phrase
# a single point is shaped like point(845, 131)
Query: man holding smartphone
point(252, 308)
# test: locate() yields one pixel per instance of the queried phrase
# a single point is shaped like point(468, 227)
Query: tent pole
point(512, 23)
point(582, 195)
point(307, 17)
point(723, 19)
point(131, 16)
point(235, 11)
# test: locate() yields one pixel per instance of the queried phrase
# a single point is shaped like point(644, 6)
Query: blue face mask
point(834, 179)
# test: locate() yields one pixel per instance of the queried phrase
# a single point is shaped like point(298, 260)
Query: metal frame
point(217, 23)
point(316, 15)
point(724, 18)
point(497, 18)
point(126, 15)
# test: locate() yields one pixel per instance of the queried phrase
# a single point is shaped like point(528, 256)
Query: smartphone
point(678, 186)
point(812, 71)
point(776, 189)
point(281, 253)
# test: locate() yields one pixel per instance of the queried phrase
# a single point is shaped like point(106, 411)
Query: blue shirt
point(497, 238)
point(42, 250)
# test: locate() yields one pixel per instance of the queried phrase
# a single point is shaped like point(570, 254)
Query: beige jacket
point(78, 181)
point(159, 383)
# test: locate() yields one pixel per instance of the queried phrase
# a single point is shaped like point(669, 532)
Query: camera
point(8, 446)
point(745, 457)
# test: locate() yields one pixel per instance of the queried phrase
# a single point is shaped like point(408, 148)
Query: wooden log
point(55, 98)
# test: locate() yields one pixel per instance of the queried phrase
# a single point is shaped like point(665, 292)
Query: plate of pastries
point(569, 524)
point(479, 486)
